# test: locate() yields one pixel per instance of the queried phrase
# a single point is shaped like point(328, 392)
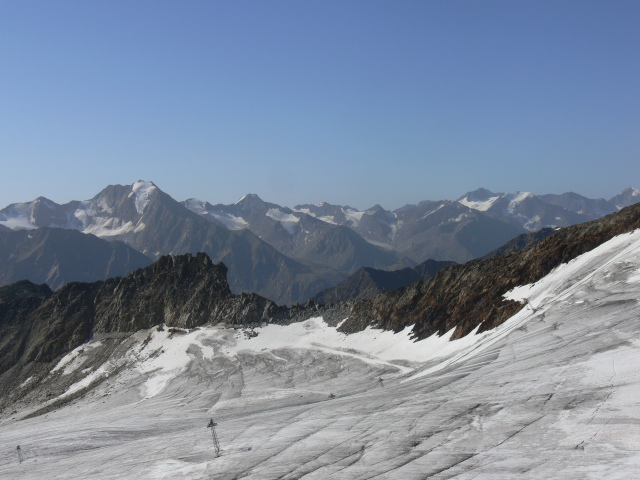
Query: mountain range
point(291, 254)
point(535, 348)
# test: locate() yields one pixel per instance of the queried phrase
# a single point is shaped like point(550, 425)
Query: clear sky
point(350, 102)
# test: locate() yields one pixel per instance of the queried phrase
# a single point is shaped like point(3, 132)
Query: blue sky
point(351, 102)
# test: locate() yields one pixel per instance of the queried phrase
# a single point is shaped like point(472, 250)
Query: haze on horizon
point(300, 102)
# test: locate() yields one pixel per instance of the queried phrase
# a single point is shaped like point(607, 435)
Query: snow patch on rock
point(481, 206)
point(287, 220)
point(142, 190)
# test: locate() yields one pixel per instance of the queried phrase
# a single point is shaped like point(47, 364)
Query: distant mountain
point(289, 255)
point(57, 256)
point(533, 212)
point(629, 196)
point(153, 223)
point(376, 224)
point(447, 230)
point(367, 282)
point(523, 209)
point(522, 241)
point(443, 230)
point(573, 202)
point(299, 235)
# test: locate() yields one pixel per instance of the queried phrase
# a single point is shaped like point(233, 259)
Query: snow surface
point(353, 216)
point(75, 358)
point(287, 220)
point(517, 199)
point(481, 206)
point(326, 218)
point(551, 393)
point(229, 221)
point(432, 211)
point(385, 245)
point(112, 227)
point(141, 190)
point(19, 216)
point(17, 223)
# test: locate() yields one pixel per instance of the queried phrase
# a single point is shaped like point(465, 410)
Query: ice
point(287, 220)
point(142, 190)
point(17, 223)
point(562, 280)
point(481, 206)
point(353, 216)
point(459, 218)
point(280, 216)
point(551, 393)
point(385, 245)
point(328, 219)
point(111, 227)
point(432, 211)
point(72, 361)
point(241, 199)
point(516, 199)
point(229, 221)
point(18, 216)
point(533, 223)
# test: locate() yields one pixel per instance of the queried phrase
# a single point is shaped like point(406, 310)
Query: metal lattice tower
point(214, 436)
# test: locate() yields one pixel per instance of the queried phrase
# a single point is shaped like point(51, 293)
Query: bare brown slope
point(470, 295)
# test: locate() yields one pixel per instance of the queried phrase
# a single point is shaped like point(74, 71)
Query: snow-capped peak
point(249, 197)
point(142, 190)
point(480, 199)
point(518, 198)
point(196, 206)
point(481, 206)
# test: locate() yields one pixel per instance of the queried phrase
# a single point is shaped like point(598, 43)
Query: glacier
point(551, 393)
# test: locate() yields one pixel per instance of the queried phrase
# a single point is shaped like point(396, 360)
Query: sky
point(349, 102)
